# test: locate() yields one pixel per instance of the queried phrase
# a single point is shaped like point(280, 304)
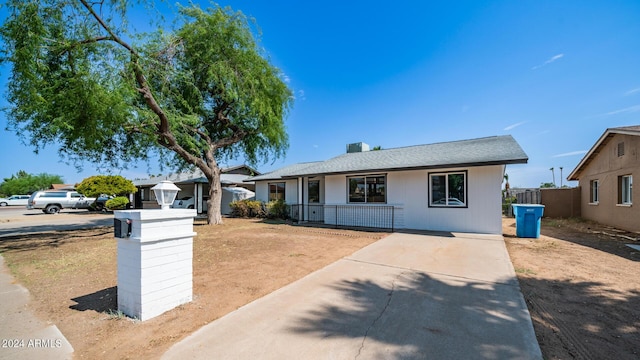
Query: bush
point(95, 186)
point(239, 209)
point(506, 205)
point(117, 203)
point(247, 208)
point(277, 210)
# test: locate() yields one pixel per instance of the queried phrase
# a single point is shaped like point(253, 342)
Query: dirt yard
point(72, 277)
point(580, 281)
point(582, 286)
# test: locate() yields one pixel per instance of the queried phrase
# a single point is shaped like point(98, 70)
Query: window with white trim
point(625, 189)
point(594, 195)
point(367, 189)
point(277, 191)
point(448, 189)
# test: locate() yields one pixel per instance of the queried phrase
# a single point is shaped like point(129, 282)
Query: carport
point(192, 184)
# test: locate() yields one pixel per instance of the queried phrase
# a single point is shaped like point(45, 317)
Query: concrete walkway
point(23, 335)
point(408, 296)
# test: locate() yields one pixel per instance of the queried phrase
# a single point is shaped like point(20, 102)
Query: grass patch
point(117, 315)
point(524, 271)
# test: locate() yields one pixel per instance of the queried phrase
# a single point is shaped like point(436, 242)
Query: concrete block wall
point(155, 263)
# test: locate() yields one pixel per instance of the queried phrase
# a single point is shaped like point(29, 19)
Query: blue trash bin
point(528, 219)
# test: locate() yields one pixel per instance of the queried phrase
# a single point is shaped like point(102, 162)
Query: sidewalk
point(23, 335)
point(408, 296)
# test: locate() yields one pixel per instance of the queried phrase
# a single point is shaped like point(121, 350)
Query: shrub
point(247, 208)
point(239, 209)
point(506, 205)
point(277, 210)
point(117, 203)
point(95, 186)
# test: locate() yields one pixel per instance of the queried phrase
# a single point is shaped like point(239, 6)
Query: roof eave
point(425, 167)
point(574, 175)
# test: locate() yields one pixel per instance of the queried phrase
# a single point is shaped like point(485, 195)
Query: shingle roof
point(602, 141)
point(284, 172)
point(475, 152)
point(196, 176)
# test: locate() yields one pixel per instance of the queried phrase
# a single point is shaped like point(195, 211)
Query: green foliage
point(112, 185)
point(247, 208)
point(277, 210)
point(24, 183)
point(547, 185)
point(506, 204)
point(203, 93)
point(117, 203)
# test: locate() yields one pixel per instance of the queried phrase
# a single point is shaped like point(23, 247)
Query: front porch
point(343, 215)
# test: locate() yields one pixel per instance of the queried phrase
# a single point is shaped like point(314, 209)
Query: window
point(448, 189)
point(594, 196)
point(276, 191)
point(314, 191)
point(56, 194)
point(625, 188)
point(367, 189)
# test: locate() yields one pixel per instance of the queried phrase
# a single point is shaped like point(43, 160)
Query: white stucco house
point(449, 186)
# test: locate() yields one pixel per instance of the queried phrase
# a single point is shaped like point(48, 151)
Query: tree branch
point(104, 25)
point(165, 137)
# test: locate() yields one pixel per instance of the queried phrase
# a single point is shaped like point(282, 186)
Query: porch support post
point(301, 198)
point(197, 194)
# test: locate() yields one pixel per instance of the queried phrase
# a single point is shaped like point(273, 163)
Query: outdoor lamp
point(166, 192)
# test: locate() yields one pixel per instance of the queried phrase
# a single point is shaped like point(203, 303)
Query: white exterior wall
point(262, 191)
point(408, 192)
point(291, 190)
point(484, 200)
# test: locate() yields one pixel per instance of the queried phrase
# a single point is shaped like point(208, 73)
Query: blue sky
point(553, 74)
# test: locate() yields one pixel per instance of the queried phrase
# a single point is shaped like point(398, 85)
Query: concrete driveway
point(408, 296)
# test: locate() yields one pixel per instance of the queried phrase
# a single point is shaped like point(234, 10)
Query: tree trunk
point(215, 198)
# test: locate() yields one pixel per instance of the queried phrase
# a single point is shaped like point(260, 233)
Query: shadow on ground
point(48, 238)
point(100, 301)
point(609, 244)
point(417, 316)
point(592, 323)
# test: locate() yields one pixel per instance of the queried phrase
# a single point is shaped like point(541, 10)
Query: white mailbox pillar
point(155, 260)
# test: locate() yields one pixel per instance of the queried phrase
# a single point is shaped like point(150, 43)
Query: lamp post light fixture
point(166, 193)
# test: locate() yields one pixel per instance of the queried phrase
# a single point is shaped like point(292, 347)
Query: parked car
point(186, 202)
point(14, 200)
point(51, 202)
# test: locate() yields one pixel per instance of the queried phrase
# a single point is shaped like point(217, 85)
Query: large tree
point(25, 183)
point(111, 185)
point(194, 96)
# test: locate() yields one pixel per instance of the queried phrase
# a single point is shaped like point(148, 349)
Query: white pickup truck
point(51, 202)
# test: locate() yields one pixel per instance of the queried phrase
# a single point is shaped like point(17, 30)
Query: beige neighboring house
point(605, 177)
